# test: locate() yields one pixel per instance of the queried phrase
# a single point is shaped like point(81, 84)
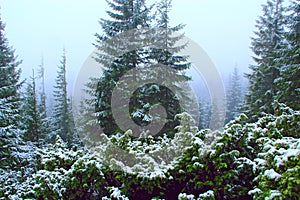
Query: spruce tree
point(42, 93)
point(289, 82)
point(31, 114)
point(87, 124)
point(135, 15)
point(62, 113)
point(128, 15)
point(153, 94)
point(9, 104)
point(234, 96)
point(267, 47)
point(44, 127)
point(204, 113)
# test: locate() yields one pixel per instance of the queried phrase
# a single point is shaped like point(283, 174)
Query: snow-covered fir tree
point(42, 107)
point(289, 82)
point(130, 15)
point(31, 114)
point(167, 55)
point(88, 126)
point(63, 116)
point(14, 153)
point(126, 15)
point(10, 127)
point(267, 47)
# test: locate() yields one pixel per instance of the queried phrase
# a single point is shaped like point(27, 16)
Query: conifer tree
point(234, 96)
point(204, 113)
point(42, 104)
point(62, 113)
point(165, 55)
point(267, 47)
point(36, 123)
point(87, 124)
point(44, 128)
point(289, 82)
point(31, 113)
point(128, 15)
point(9, 104)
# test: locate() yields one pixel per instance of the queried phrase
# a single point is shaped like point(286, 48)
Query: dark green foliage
point(32, 121)
point(127, 15)
point(289, 83)
point(65, 174)
point(236, 163)
point(153, 94)
point(267, 47)
point(9, 104)
point(130, 15)
point(63, 116)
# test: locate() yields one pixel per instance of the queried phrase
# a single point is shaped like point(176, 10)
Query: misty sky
point(42, 28)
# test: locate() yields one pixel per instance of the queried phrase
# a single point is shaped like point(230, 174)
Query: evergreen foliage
point(134, 15)
point(64, 123)
point(10, 127)
point(32, 121)
point(128, 15)
point(288, 82)
point(205, 113)
point(88, 126)
point(234, 97)
point(247, 160)
point(267, 47)
point(255, 156)
point(45, 127)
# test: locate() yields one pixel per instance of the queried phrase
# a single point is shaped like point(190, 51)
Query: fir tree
point(62, 113)
point(234, 96)
point(204, 113)
point(289, 83)
point(44, 127)
point(9, 104)
point(31, 113)
point(166, 55)
point(267, 47)
point(128, 15)
point(87, 124)
point(41, 76)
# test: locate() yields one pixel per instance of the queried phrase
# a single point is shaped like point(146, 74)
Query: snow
point(272, 174)
point(184, 196)
point(207, 194)
point(138, 113)
point(116, 193)
point(147, 118)
point(255, 191)
point(273, 194)
point(292, 153)
point(260, 162)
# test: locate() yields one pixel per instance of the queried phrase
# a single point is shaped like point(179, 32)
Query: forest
point(131, 137)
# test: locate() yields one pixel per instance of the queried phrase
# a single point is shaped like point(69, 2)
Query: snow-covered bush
point(208, 195)
point(257, 160)
point(12, 180)
point(244, 156)
point(65, 174)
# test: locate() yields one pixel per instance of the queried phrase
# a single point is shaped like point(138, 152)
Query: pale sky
point(42, 28)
